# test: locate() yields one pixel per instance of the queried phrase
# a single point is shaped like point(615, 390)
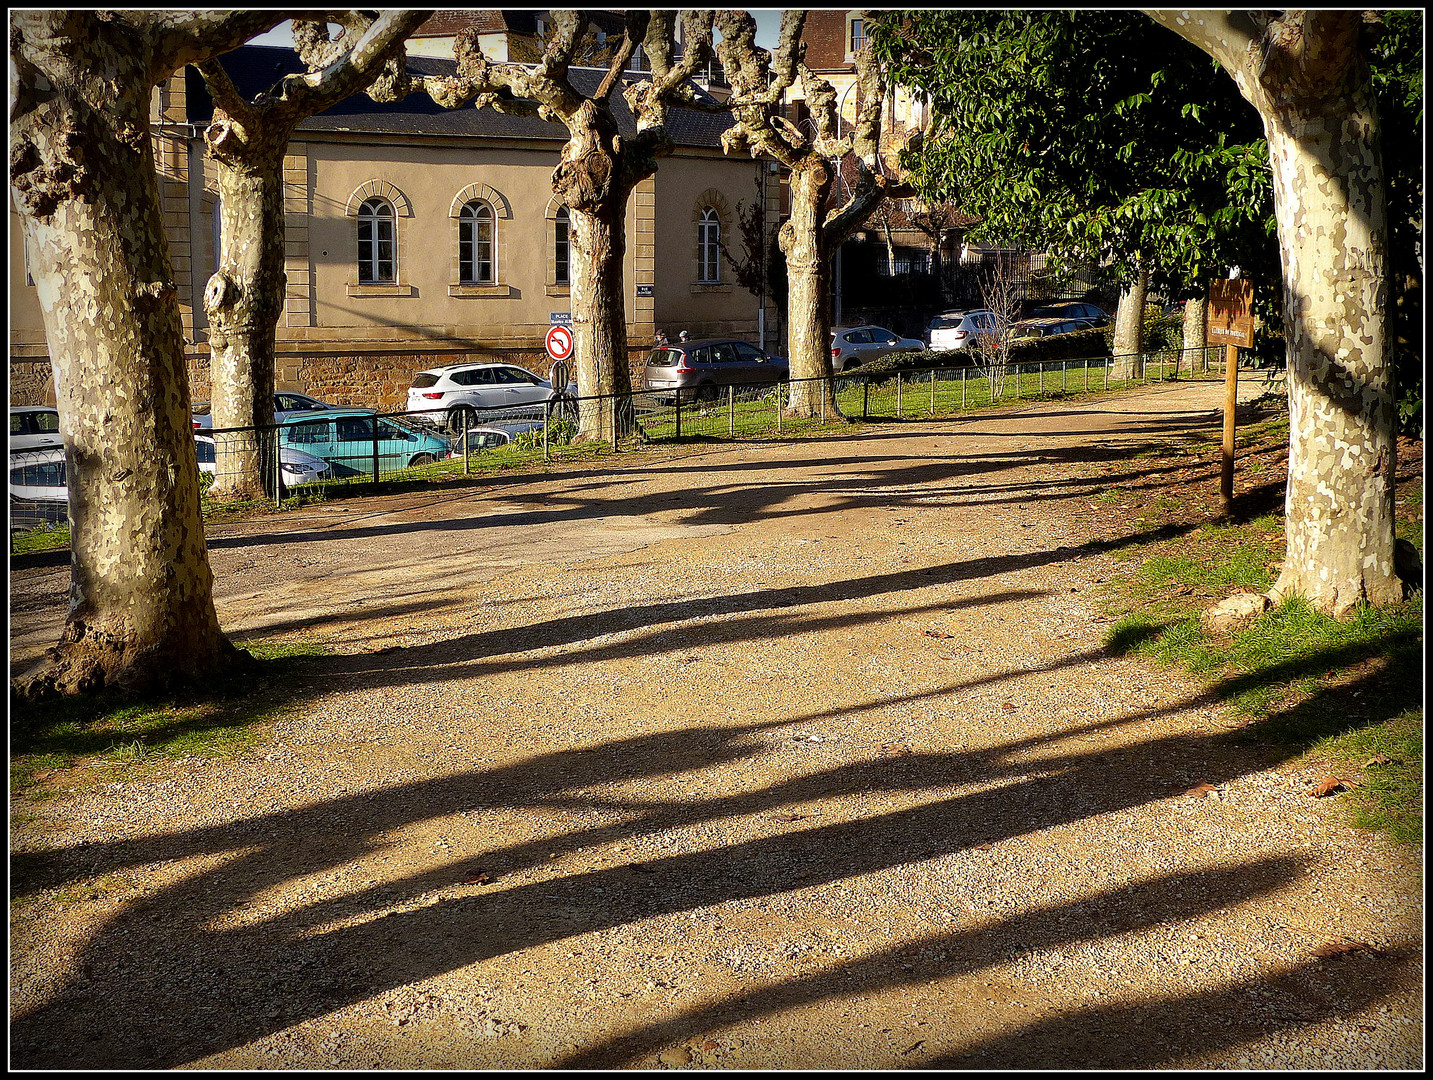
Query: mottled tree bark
point(1129, 328)
point(1306, 72)
point(1196, 327)
point(814, 231)
point(83, 177)
point(243, 300)
point(245, 297)
point(808, 296)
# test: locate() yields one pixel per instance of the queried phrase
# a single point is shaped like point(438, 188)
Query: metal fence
point(314, 453)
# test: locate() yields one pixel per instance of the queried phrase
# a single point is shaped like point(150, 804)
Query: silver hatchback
point(696, 369)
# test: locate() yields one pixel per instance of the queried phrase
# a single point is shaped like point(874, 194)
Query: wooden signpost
point(1231, 321)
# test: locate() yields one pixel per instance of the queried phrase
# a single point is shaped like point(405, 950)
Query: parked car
point(1035, 328)
point(1073, 309)
point(695, 369)
point(860, 344)
point(453, 395)
point(34, 427)
point(286, 403)
point(491, 436)
point(961, 329)
point(296, 466)
point(345, 439)
point(38, 476)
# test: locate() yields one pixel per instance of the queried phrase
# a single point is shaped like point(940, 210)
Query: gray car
point(696, 369)
point(857, 345)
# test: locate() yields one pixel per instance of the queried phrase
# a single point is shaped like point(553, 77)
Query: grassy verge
point(116, 739)
point(1341, 695)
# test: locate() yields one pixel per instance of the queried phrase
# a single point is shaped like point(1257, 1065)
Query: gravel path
point(790, 755)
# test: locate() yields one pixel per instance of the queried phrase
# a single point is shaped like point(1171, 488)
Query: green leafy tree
point(1088, 135)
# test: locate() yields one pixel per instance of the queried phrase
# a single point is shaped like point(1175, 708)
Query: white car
point(38, 476)
point(286, 402)
point(953, 330)
point(491, 436)
point(454, 395)
point(34, 427)
point(861, 344)
point(298, 466)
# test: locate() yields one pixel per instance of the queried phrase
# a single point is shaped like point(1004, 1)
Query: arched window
point(476, 243)
point(562, 247)
point(376, 247)
point(709, 246)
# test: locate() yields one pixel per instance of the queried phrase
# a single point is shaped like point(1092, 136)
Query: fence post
point(1087, 376)
point(865, 399)
point(678, 398)
point(932, 391)
point(779, 395)
point(546, 423)
point(614, 422)
point(1064, 376)
point(278, 470)
point(463, 434)
point(730, 411)
point(375, 449)
point(825, 388)
point(1041, 377)
point(963, 373)
point(900, 415)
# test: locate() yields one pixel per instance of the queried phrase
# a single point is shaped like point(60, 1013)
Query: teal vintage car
point(345, 438)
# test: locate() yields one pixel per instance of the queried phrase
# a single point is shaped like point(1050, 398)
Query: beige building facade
point(478, 260)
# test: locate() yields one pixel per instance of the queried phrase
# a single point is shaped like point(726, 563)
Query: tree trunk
point(141, 602)
point(243, 300)
point(808, 305)
point(595, 180)
point(1129, 328)
point(1332, 220)
point(599, 315)
point(1196, 328)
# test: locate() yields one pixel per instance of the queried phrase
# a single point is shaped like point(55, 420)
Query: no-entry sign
point(559, 342)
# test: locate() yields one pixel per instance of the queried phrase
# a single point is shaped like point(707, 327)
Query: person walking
point(661, 338)
point(682, 336)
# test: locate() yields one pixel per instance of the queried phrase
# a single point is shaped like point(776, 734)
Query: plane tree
point(1308, 77)
point(247, 139)
point(1090, 135)
point(599, 167)
point(82, 174)
point(818, 223)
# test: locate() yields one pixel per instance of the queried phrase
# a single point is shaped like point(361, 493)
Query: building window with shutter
point(562, 248)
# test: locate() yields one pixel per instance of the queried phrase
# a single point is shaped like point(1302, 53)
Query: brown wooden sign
point(1231, 312)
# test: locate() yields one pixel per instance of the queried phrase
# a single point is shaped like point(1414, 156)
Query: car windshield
point(664, 357)
point(424, 378)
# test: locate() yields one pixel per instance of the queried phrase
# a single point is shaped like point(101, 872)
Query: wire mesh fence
point(314, 452)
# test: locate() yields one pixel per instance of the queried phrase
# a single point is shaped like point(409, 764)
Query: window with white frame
point(857, 39)
point(476, 244)
point(376, 243)
point(562, 247)
point(709, 247)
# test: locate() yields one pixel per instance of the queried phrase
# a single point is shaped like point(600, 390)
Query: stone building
point(419, 236)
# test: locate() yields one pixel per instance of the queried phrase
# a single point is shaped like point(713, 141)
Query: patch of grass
point(41, 538)
point(1390, 758)
point(121, 737)
point(101, 888)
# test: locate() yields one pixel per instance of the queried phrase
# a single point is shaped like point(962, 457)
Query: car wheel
point(462, 416)
point(421, 459)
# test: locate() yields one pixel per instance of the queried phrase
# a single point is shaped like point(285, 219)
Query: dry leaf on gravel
point(1201, 790)
point(479, 877)
point(1378, 759)
point(938, 634)
point(1333, 949)
point(787, 817)
point(1330, 785)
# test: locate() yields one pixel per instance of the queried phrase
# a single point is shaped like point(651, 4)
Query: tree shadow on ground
point(214, 961)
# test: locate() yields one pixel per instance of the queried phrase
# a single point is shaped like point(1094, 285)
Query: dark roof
point(255, 68)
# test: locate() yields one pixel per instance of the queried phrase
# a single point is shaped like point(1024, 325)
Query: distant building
point(480, 261)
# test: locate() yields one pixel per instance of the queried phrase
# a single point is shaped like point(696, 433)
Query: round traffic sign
point(559, 342)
